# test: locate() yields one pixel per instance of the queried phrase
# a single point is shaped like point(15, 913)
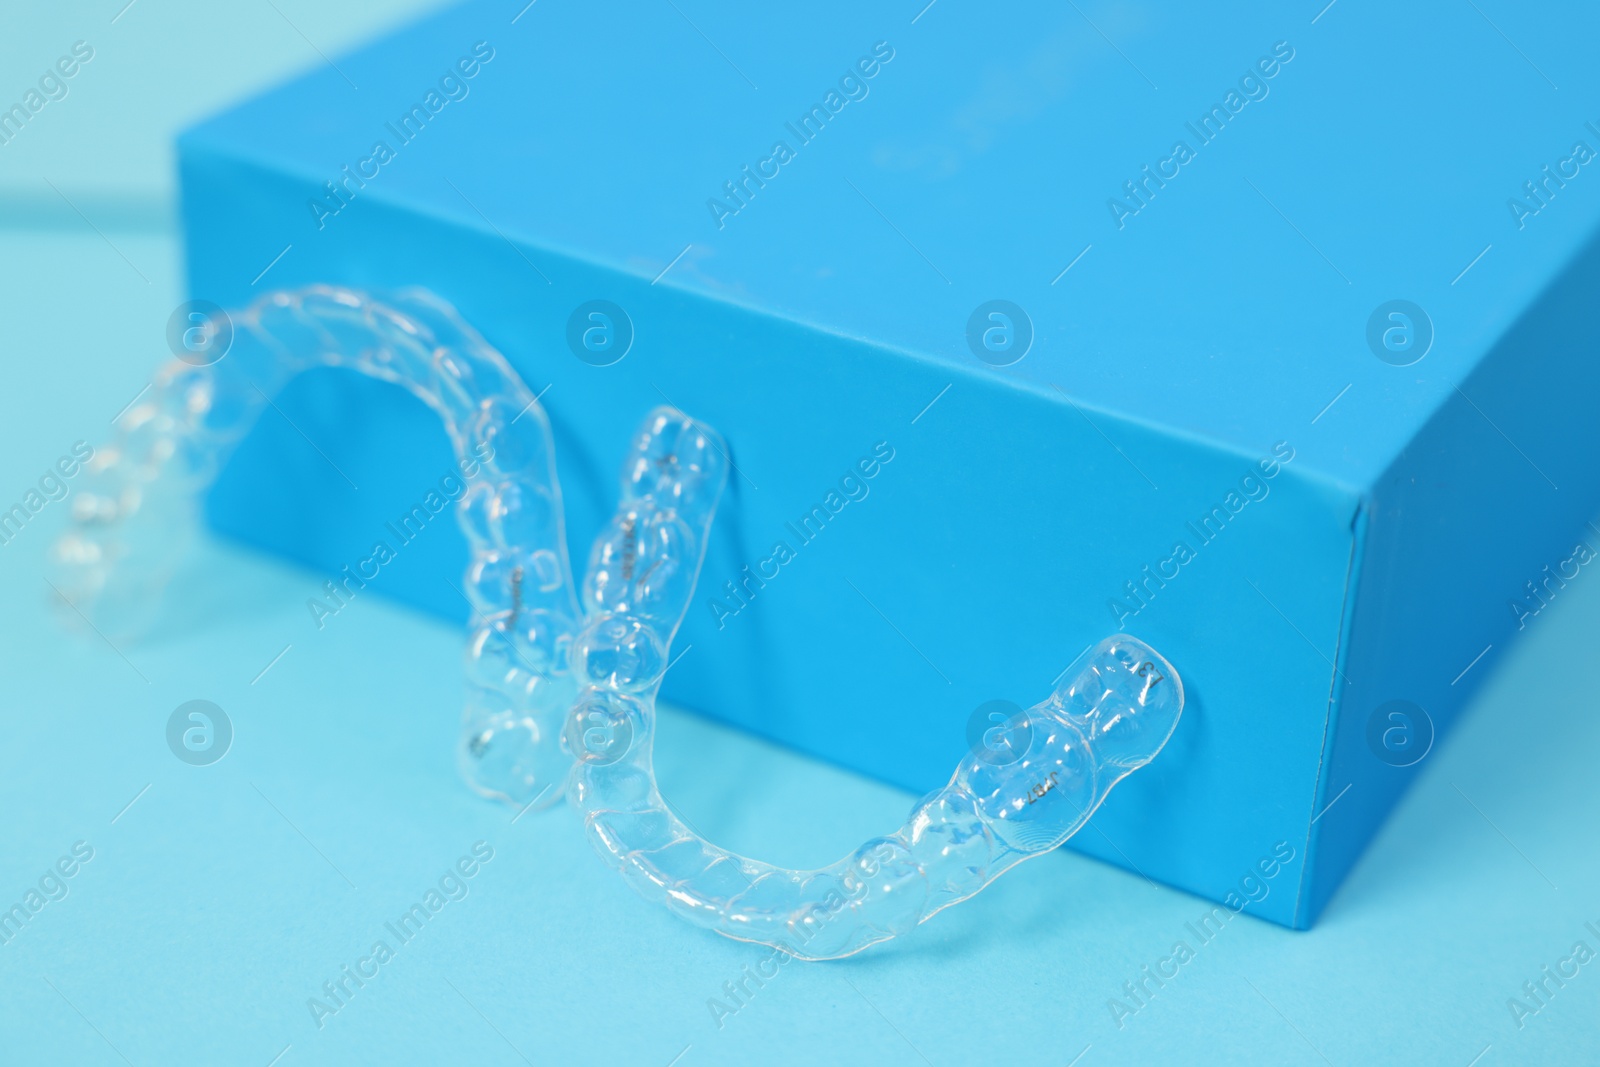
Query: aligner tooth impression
point(562, 679)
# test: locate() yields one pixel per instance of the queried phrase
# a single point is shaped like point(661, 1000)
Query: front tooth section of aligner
point(950, 841)
point(332, 323)
point(764, 911)
point(281, 325)
point(701, 896)
point(657, 872)
point(614, 787)
point(418, 314)
point(1036, 802)
point(821, 921)
point(617, 834)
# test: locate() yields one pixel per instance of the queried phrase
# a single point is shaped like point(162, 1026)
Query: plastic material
point(135, 511)
point(555, 699)
point(1021, 793)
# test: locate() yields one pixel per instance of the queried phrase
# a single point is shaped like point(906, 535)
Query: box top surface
point(1364, 156)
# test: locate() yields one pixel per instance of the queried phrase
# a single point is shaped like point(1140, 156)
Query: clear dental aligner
point(136, 508)
point(995, 812)
point(548, 682)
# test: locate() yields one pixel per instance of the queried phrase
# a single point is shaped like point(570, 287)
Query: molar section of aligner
point(1036, 802)
point(526, 676)
point(646, 560)
point(520, 581)
point(677, 462)
point(500, 753)
point(486, 707)
point(660, 577)
point(513, 715)
point(491, 662)
point(491, 579)
point(524, 519)
point(618, 652)
point(605, 727)
point(475, 513)
point(612, 585)
point(514, 756)
point(543, 640)
point(1127, 700)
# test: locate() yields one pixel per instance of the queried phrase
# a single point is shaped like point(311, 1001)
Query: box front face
point(898, 545)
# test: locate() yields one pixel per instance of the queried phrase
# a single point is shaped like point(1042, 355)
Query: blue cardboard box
point(1264, 335)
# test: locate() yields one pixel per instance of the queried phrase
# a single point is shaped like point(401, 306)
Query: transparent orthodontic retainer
point(561, 693)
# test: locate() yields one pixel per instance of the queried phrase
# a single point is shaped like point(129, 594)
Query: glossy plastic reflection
point(559, 696)
point(136, 509)
point(996, 811)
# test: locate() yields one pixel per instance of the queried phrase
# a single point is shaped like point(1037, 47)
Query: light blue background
point(218, 902)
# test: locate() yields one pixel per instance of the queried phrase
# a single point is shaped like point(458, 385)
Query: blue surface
point(208, 914)
point(1224, 320)
point(206, 920)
